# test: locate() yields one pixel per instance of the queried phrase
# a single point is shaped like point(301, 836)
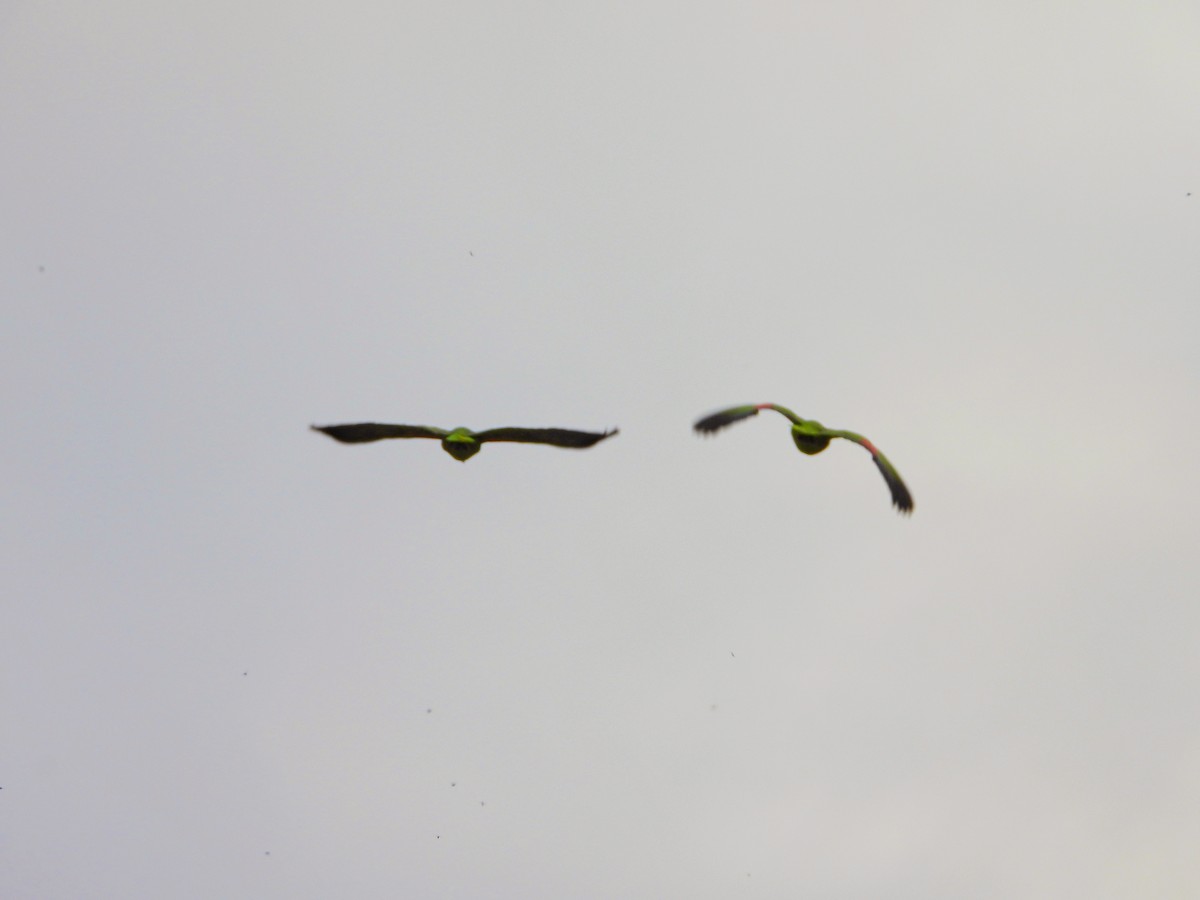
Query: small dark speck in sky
point(428, 711)
point(454, 784)
point(43, 268)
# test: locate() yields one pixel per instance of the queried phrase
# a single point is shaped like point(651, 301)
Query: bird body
point(462, 443)
point(810, 438)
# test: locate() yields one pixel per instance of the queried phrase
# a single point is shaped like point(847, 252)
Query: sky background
point(240, 660)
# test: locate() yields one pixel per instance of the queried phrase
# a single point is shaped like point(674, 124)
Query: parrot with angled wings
point(811, 437)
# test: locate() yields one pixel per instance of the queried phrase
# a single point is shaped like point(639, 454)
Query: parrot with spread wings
point(463, 443)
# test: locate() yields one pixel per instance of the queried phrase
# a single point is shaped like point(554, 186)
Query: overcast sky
point(241, 660)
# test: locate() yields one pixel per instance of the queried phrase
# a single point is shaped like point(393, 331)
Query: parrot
point(811, 437)
point(463, 443)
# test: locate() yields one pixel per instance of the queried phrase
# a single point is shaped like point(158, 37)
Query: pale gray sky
point(242, 661)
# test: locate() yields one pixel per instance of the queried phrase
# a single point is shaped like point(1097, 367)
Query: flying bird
point(463, 443)
point(812, 437)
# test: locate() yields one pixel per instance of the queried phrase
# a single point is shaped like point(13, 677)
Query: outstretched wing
point(364, 432)
point(718, 420)
point(557, 437)
point(901, 498)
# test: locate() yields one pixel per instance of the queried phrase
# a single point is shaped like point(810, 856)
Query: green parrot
point(811, 438)
point(463, 443)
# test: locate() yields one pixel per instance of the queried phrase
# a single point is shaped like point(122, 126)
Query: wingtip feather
point(714, 422)
point(901, 498)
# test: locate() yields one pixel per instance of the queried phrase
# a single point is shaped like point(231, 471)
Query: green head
point(460, 444)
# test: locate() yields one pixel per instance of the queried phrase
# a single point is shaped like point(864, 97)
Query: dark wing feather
point(901, 498)
point(557, 437)
point(364, 432)
point(718, 420)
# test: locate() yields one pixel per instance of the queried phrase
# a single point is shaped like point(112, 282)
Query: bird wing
point(557, 437)
point(901, 498)
point(784, 411)
point(716, 421)
point(363, 432)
